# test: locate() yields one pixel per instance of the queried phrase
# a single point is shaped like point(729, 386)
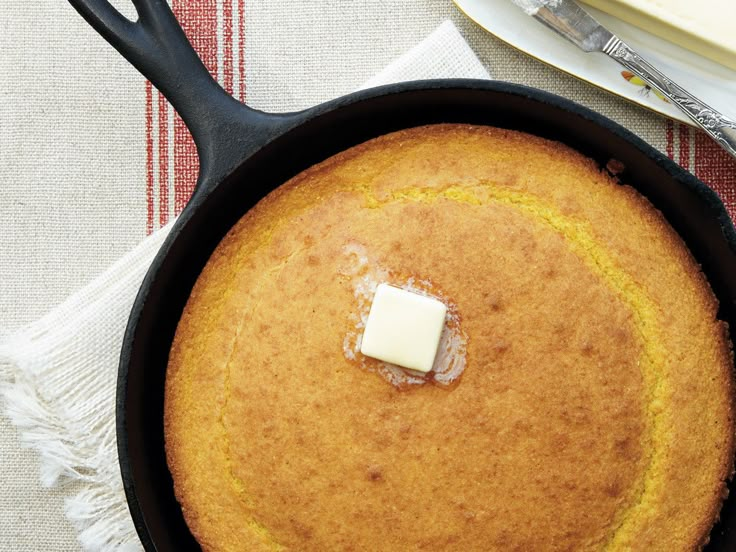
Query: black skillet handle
point(224, 130)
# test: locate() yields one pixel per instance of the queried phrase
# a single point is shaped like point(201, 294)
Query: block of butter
point(705, 27)
point(403, 328)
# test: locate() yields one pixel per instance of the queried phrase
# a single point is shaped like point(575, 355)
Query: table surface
point(74, 168)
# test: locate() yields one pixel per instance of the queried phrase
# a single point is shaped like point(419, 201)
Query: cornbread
point(594, 409)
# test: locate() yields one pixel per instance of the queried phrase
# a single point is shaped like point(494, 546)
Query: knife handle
point(721, 128)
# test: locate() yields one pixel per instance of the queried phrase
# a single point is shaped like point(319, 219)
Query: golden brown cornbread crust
point(595, 411)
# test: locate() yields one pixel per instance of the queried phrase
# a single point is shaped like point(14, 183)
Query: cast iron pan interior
point(245, 154)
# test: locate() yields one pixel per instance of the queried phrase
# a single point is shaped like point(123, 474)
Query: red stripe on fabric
point(241, 48)
point(198, 18)
point(684, 146)
point(670, 139)
point(227, 46)
point(186, 164)
point(163, 160)
point(717, 169)
point(149, 157)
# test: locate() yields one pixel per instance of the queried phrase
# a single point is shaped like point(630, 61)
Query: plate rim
point(683, 119)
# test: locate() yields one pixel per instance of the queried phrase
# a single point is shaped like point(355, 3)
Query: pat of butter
point(403, 328)
point(703, 26)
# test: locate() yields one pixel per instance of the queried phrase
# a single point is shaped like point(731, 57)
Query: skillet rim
point(282, 126)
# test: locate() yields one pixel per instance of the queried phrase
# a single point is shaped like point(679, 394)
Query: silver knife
point(579, 27)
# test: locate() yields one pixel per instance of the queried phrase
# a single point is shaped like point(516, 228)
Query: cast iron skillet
point(245, 153)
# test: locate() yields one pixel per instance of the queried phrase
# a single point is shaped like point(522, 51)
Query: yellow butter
point(702, 26)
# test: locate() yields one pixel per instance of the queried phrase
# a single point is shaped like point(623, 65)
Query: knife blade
point(569, 20)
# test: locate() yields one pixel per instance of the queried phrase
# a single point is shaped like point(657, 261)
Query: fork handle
point(721, 128)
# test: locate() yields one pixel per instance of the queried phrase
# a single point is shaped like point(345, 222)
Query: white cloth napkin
point(58, 374)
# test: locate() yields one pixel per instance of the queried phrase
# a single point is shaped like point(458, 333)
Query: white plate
point(710, 81)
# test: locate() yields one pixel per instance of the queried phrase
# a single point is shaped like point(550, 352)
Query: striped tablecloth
point(93, 159)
